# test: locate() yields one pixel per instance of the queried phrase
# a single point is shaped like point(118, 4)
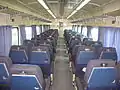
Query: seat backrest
point(74, 42)
point(28, 42)
point(18, 54)
point(118, 69)
point(5, 65)
point(71, 39)
point(85, 40)
point(40, 56)
point(48, 46)
point(108, 53)
point(27, 77)
point(75, 49)
point(84, 55)
point(97, 44)
point(88, 43)
point(43, 41)
point(49, 49)
point(101, 73)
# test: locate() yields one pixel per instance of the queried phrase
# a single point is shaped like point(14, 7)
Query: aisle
point(62, 74)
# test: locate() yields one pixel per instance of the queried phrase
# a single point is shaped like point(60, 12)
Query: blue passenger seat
point(101, 75)
point(108, 53)
point(41, 57)
point(18, 54)
point(5, 65)
point(84, 55)
point(5, 74)
point(27, 77)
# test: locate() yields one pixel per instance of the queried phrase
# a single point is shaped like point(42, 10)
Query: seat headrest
point(86, 48)
point(97, 63)
point(17, 47)
point(109, 49)
point(6, 60)
point(5, 65)
point(24, 70)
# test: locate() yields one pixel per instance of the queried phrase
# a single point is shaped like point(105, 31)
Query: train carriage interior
point(59, 45)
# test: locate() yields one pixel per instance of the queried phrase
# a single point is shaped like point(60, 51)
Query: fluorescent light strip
point(51, 13)
point(46, 7)
point(79, 7)
point(72, 13)
point(43, 4)
point(83, 4)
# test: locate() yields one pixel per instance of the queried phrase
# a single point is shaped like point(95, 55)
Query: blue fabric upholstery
point(84, 55)
point(41, 57)
point(5, 74)
point(108, 53)
point(30, 73)
point(99, 70)
point(18, 54)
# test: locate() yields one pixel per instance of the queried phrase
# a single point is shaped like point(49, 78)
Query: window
point(84, 31)
point(15, 36)
point(43, 28)
point(79, 29)
point(68, 27)
point(28, 31)
point(94, 33)
point(75, 28)
point(38, 30)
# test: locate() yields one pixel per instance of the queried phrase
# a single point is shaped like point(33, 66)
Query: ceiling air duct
point(62, 5)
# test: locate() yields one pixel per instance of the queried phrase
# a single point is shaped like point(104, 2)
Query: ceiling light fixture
point(72, 13)
point(46, 7)
point(51, 13)
point(79, 7)
point(43, 4)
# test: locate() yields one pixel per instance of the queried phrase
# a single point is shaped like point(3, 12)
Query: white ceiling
point(60, 8)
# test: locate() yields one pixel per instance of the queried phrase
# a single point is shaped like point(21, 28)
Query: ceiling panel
point(32, 6)
point(27, 1)
point(67, 12)
point(91, 7)
point(69, 5)
point(101, 2)
point(115, 13)
point(37, 7)
point(54, 6)
point(8, 10)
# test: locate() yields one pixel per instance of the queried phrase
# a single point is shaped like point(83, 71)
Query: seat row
point(41, 54)
point(100, 74)
point(33, 60)
point(82, 50)
point(21, 76)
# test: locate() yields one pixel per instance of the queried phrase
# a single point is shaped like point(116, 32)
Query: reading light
point(79, 7)
point(46, 7)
